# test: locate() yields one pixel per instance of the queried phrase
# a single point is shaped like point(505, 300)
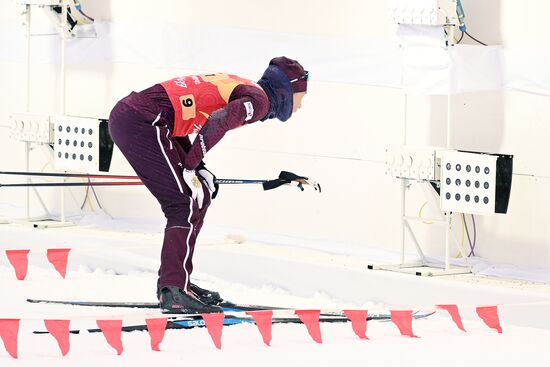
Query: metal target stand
point(423, 267)
point(42, 123)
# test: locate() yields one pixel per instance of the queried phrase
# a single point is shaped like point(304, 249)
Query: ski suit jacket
point(208, 105)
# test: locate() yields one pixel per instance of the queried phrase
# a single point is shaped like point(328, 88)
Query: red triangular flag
point(403, 320)
point(18, 259)
point(490, 316)
point(59, 329)
point(9, 328)
point(453, 311)
point(214, 324)
point(358, 320)
point(311, 319)
point(58, 257)
point(112, 329)
point(263, 321)
point(156, 328)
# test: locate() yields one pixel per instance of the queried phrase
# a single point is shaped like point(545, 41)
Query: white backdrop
point(354, 108)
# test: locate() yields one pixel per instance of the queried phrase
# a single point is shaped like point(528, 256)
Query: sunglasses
point(303, 77)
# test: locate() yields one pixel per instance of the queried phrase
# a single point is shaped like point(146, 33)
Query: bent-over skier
point(152, 128)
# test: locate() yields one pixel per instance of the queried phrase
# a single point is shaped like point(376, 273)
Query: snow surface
point(111, 261)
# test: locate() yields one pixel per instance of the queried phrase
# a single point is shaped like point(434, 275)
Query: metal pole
point(28, 57)
point(449, 120)
point(28, 103)
point(63, 203)
point(62, 33)
point(403, 186)
point(62, 86)
point(27, 165)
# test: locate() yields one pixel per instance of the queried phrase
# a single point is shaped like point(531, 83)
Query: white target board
point(468, 182)
point(76, 144)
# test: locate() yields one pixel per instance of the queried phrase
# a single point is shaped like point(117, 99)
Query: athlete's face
point(297, 100)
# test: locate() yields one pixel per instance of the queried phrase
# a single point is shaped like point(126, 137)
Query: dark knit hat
point(295, 72)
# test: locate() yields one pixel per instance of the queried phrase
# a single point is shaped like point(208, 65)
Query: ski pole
point(229, 181)
point(221, 181)
point(76, 175)
point(63, 184)
point(128, 183)
point(285, 178)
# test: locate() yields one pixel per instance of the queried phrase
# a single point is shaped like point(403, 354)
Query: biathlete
point(152, 127)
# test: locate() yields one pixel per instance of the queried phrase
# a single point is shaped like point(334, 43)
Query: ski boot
point(204, 295)
point(175, 300)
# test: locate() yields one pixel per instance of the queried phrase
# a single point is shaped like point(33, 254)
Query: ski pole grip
point(289, 176)
point(273, 184)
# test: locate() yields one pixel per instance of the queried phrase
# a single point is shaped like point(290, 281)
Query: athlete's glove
point(209, 179)
point(194, 184)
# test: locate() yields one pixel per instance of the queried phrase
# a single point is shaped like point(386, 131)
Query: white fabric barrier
point(422, 67)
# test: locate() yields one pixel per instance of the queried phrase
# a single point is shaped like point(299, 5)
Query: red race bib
point(195, 97)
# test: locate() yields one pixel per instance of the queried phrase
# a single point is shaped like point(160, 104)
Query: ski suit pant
point(141, 132)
